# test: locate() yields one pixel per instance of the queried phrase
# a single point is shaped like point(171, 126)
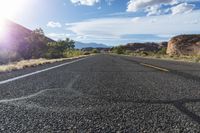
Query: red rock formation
point(184, 45)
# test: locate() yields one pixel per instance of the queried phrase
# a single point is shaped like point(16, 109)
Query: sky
point(112, 22)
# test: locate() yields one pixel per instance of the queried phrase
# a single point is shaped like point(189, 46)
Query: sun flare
point(10, 8)
point(2, 26)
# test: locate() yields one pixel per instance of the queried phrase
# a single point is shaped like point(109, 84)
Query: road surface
point(102, 93)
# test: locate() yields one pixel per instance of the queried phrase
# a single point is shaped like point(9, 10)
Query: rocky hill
point(184, 45)
point(148, 47)
point(12, 40)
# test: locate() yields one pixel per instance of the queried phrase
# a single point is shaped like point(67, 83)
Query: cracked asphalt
point(103, 93)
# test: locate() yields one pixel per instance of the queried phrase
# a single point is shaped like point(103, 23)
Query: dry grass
point(31, 63)
point(195, 59)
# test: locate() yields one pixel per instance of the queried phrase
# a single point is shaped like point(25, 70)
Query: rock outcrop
point(184, 45)
point(149, 46)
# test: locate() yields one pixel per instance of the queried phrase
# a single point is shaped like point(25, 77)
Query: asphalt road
point(102, 93)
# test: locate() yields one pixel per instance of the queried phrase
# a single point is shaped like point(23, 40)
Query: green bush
point(61, 49)
point(36, 45)
point(53, 54)
point(86, 53)
point(118, 50)
point(72, 53)
point(128, 52)
point(163, 51)
point(95, 51)
point(197, 59)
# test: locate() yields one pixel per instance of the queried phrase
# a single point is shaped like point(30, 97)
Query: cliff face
point(184, 45)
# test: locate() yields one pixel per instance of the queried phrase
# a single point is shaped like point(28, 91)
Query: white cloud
point(118, 14)
point(180, 1)
point(136, 20)
point(158, 7)
point(90, 2)
point(182, 8)
point(135, 5)
point(53, 24)
point(196, 21)
point(153, 20)
point(110, 2)
point(115, 28)
point(58, 36)
point(153, 10)
point(85, 2)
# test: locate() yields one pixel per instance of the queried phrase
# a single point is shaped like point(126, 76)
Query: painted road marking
point(155, 67)
point(37, 72)
point(69, 87)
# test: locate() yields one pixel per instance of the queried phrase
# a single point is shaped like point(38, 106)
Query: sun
point(10, 8)
point(2, 27)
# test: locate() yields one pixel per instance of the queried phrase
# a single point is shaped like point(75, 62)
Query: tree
point(54, 50)
point(36, 44)
point(118, 50)
point(57, 49)
point(95, 51)
point(69, 44)
point(163, 51)
point(66, 44)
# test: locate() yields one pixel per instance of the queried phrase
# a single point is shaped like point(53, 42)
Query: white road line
point(37, 72)
point(69, 87)
point(24, 97)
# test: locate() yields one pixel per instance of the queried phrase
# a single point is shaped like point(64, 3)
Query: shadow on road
point(179, 104)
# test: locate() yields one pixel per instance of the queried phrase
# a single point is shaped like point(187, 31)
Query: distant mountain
point(80, 45)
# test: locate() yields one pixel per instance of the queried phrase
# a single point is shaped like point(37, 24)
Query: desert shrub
point(162, 51)
point(60, 49)
point(86, 53)
point(72, 53)
point(197, 59)
point(118, 50)
point(36, 45)
point(157, 56)
point(53, 54)
point(144, 53)
point(128, 52)
point(95, 51)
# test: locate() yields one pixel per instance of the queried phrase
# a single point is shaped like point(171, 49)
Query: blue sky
point(112, 22)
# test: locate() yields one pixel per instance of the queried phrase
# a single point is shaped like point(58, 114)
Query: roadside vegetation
point(161, 54)
point(95, 51)
point(40, 50)
point(31, 63)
